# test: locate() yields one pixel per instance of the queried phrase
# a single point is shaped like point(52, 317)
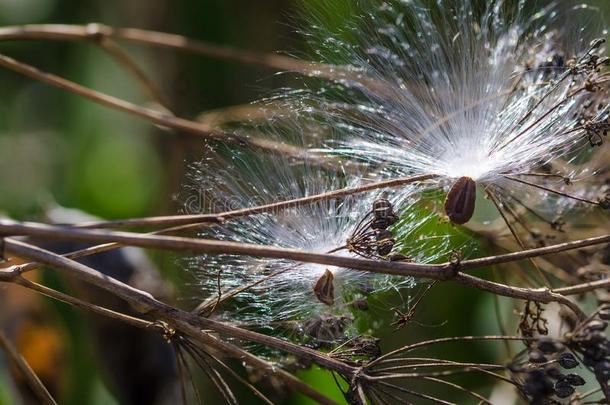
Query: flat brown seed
point(460, 201)
point(325, 289)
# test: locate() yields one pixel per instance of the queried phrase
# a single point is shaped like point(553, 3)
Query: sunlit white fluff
point(287, 300)
point(455, 88)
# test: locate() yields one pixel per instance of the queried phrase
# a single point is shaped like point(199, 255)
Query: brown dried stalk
point(157, 117)
point(182, 321)
point(98, 32)
point(187, 222)
point(443, 271)
point(28, 374)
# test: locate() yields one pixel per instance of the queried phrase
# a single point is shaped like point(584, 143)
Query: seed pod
point(385, 242)
point(380, 223)
point(382, 208)
point(325, 289)
point(575, 380)
point(460, 201)
point(385, 247)
point(567, 360)
point(563, 389)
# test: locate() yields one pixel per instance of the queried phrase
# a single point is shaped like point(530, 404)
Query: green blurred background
point(56, 147)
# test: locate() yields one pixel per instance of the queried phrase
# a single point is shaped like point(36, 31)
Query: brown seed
point(325, 289)
point(459, 204)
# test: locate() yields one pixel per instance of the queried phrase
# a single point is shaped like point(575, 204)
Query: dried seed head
point(575, 380)
point(460, 201)
point(563, 389)
point(567, 360)
point(385, 242)
point(326, 329)
point(382, 208)
point(324, 289)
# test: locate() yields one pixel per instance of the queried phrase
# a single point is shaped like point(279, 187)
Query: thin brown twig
point(9, 227)
point(415, 393)
point(186, 322)
point(459, 388)
point(96, 32)
point(197, 219)
point(163, 119)
point(24, 368)
point(70, 300)
point(148, 85)
point(431, 342)
point(544, 295)
point(442, 271)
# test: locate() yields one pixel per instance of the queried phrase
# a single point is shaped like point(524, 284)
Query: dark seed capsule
point(325, 289)
point(381, 223)
point(384, 234)
point(459, 204)
point(385, 247)
point(567, 360)
point(605, 201)
point(382, 208)
point(385, 242)
point(563, 389)
point(575, 380)
point(595, 337)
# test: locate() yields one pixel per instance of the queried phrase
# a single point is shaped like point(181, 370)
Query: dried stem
point(130, 65)
point(443, 271)
point(97, 32)
point(30, 376)
point(180, 320)
point(163, 119)
point(68, 299)
point(195, 220)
